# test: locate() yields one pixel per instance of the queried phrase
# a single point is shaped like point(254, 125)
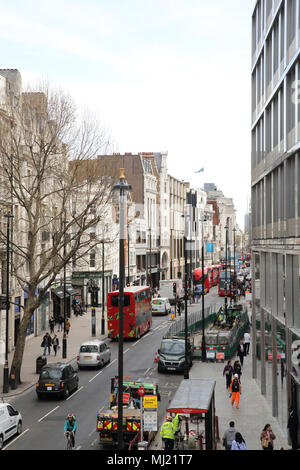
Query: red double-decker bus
point(198, 281)
point(226, 282)
point(216, 269)
point(137, 313)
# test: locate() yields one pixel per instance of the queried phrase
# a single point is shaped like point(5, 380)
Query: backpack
point(235, 385)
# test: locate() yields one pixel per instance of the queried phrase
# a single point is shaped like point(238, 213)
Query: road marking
point(137, 342)
point(111, 363)
point(147, 371)
point(94, 442)
point(78, 448)
point(48, 414)
point(18, 437)
point(96, 376)
point(128, 349)
point(92, 432)
point(75, 393)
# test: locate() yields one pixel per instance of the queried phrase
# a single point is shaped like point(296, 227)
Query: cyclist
point(71, 426)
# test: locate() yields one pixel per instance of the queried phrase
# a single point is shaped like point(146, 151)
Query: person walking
point(236, 390)
point(55, 343)
point(267, 438)
point(60, 322)
point(292, 425)
point(241, 352)
point(237, 369)
point(51, 324)
point(167, 433)
point(247, 339)
point(229, 436)
point(238, 443)
point(68, 326)
point(46, 343)
point(228, 372)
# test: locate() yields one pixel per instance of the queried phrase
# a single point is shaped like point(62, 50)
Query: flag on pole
point(199, 171)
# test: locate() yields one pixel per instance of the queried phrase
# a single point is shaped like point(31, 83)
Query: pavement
point(81, 330)
point(253, 413)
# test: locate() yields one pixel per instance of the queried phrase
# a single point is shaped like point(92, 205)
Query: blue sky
point(161, 74)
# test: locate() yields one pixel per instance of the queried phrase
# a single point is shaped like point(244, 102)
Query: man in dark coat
point(293, 427)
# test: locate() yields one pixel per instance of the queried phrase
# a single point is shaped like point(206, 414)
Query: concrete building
point(275, 205)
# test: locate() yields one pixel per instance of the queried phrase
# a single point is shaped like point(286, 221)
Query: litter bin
point(40, 362)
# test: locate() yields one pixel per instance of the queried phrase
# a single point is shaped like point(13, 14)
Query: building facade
point(275, 202)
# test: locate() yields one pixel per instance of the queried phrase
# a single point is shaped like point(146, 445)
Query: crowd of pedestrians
point(48, 341)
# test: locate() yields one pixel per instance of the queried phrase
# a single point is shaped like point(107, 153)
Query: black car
point(57, 379)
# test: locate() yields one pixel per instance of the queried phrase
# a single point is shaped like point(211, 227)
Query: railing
point(194, 322)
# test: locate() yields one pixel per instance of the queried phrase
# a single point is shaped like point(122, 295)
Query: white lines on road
point(111, 363)
point(75, 393)
point(48, 414)
point(128, 349)
point(96, 376)
point(14, 440)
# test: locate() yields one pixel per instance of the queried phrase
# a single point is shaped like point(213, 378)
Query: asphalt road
point(43, 420)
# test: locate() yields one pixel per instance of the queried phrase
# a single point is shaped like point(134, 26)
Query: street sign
point(150, 401)
point(126, 398)
point(141, 391)
point(150, 421)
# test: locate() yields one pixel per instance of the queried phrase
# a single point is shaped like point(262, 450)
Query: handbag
point(264, 442)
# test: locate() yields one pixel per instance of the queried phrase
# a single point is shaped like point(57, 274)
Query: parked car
point(57, 379)
point(161, 305)
point(94, 353)
point(10, 422)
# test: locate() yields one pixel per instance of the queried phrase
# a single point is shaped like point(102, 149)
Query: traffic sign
point(150, 401)
point(141, 391)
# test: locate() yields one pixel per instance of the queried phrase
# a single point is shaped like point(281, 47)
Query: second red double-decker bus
point(198, 281)
point(137, 315)
point(226, 282)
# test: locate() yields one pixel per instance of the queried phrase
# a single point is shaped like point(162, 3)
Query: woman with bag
point(267, 437)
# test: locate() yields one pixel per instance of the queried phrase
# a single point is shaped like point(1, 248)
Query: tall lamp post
point(64, 348)
point(9, 215)
point(122, 189)
point(103, 318)
point(234, 271)
point(226, 261)
point(186, 231)
point(203, 355)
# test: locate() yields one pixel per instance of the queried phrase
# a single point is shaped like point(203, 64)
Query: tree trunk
point(20, 346)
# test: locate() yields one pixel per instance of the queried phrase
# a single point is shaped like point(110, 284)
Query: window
point(115, 300)
point(92, 259)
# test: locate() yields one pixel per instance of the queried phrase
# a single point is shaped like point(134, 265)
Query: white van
point(94, 353)
point(161, 305)
point(10, 422)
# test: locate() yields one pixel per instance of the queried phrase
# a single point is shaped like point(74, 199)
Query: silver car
point(93, 353)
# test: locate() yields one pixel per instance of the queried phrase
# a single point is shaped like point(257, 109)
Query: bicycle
point(69, 435)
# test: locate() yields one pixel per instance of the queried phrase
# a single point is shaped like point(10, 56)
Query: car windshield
point(88, 348)
point(169, 347)
point(51, 374)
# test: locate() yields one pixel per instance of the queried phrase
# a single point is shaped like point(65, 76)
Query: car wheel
point(1, 442)
point(66, 393)
point(19, 428)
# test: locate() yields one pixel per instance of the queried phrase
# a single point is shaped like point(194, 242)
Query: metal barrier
point(177, 327)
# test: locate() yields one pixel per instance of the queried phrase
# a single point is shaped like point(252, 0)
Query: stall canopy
point(193, 396)
point(71, 290)
point(59, 291)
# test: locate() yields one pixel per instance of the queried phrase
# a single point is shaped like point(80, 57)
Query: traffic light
point(174, 288)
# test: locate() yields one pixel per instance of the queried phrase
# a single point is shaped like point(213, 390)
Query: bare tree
point(50, 184)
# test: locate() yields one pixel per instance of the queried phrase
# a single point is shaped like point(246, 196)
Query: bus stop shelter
point(195, 399)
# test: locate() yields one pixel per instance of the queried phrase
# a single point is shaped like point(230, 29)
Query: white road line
point(75, 393)
point(147, 371)
point(78, 448)
point(137, 342)
point(18, 437)
point(92, 432)
point(48, 414)
point(111, 363)
point(128, 349)
point(96, 376)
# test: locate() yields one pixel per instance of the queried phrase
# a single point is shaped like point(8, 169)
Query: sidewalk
point(253, 413)
point(81, 330)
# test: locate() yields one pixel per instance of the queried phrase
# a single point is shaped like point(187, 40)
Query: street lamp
point(103, 319)
point(203, 355)
point(7, 306)
point(226, 261)
point(234, 272)
point(64, 348)
point(121, 188)
point(186, 231)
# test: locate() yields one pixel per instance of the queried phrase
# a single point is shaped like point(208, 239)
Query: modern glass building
point(275, 184)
